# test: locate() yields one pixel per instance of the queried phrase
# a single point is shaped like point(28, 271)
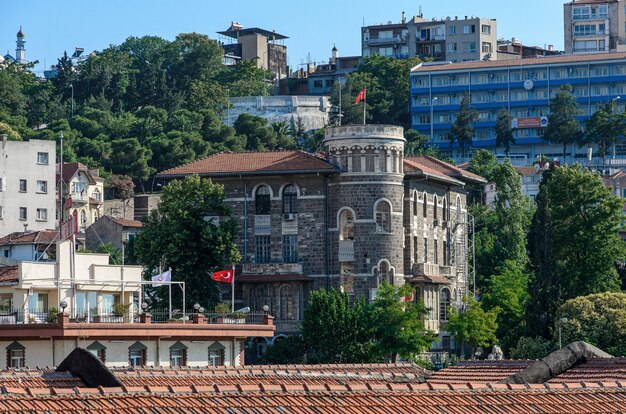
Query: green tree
point(603, 128)
point(599, 319)
point(462, 130)
point(531, 348)
point(574, 242)
point(259, 135)
point(484, 163)
point(504, 131)
point(129, 157)
point(245, 79)
point(115, 255)
point(334, 330)
point(397, 325)
point(416, 144)
point(289, 350)
point(474, 326)
point(177, 236)
point(563, 127)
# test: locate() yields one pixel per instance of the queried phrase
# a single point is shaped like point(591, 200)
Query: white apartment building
point(27, 185)
point(594, 26)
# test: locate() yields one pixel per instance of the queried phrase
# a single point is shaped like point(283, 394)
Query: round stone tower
point(366, 206)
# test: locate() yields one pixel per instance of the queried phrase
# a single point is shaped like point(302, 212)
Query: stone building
point(352, 219)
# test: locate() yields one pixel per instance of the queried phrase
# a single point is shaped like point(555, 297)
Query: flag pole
point(232, 302)
point(364, 104)
point(169, 285)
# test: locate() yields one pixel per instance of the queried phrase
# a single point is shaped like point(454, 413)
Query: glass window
point(216, 357)
point(16, 358)
point(383, 217)
point(137, 357)
point(23, 186)
point(290, 199)
point(444, 304)
point(23, 213)
point(290, 248)
point(384, 273)
point(6, 302)
point(42, 158)
point(263, 252)
point(42, 214)
point(425, 251)
point(452, 30)
point(42, 186)
point(177, 358)
point(486, 29)
point(262, 200)
point(436, 251)
point(286, 310)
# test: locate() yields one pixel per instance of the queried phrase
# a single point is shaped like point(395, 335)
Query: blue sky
point(312, 25)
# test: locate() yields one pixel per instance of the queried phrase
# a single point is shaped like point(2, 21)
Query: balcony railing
point(431, 269)
point(386, 40)
point(21, 316)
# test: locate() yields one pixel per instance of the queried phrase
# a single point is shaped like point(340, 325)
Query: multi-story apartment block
point(27, 185)
point(265, 46)
point(358, 217)
point(83, 193)
point(523, 87)
point(99, 309)
point(323, 77)
point(453, 39)
point(594, 26)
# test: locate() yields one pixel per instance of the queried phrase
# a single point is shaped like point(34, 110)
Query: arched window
point(99, 350)
point(415, 204)
point(83, 218)
point(178, 355)
point(383, 217)
point(382, 157)
point(444, 304)
point(137, 354)
point(384, 273)
point(435, 216)
point(290, 199)
point(445, 210)
point(262, 200)
point(96, 194)
point(16, 355)
point(346, 225)
point(425, 205)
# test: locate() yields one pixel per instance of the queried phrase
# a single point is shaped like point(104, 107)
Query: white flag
point(162, 277)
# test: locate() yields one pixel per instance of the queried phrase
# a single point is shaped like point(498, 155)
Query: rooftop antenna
point(420, 12)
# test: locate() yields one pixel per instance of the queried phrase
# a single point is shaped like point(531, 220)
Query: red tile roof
point(305, 398)
point(30, 237)
point(518, 63)
point(126, 222)
point(278, 162)
point(9, 274)
point(445, 168)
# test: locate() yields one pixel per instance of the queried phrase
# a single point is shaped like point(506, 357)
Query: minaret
point(20, 50)
point(334, 55)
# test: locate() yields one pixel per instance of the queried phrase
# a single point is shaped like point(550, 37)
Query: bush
point(289, 350)
point(53, 315)
point(531, 348)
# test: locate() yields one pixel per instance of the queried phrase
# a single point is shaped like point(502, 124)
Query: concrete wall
point(18, 161)
point(311, 111)
point(119, 208)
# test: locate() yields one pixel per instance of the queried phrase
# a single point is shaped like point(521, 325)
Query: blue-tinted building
point(524, 87)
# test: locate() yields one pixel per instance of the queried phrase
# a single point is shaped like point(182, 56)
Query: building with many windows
point(27, 185)
point(358, 217)
point(83, 195)
point(595, 26)
point(458, 40)
point(523, 87)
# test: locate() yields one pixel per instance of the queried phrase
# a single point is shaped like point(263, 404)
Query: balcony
point(38, 318)
point(431, 269)
point(346, 251)
point(386, 40)
point(79, 198)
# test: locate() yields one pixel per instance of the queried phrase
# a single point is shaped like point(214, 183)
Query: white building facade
point(27, 185)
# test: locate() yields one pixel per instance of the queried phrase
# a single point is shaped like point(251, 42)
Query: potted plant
point(222, 310)
point(53, 315)
point(237, 317)
point(120, 311)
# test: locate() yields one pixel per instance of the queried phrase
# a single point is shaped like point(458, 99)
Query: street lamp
point(617, 98)
point(196, 307)
point(266, 309)
point(144, 306)
point(63, 305)
point(561, 322)
point(432, 120)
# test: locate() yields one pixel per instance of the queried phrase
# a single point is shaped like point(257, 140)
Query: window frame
point(263, 201)
point(290, 199)
point(47, 158)
point(23, 188)
point(262, 248)
point(290, 248)
point(23, 217)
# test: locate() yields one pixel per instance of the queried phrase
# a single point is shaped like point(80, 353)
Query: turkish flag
point(360, 96)
point(224, 275)
point(409, 298)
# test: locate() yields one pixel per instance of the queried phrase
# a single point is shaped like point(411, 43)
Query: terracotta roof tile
point(29, 237)
point(9, 274)
point(251, 162)
point(126, 222)
point(445, 168)
point(517, 63)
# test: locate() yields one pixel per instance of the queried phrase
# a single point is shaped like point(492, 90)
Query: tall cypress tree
point(462, 130)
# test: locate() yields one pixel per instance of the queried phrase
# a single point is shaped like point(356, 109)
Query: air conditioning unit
point(435, 223)
point(289, 216)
